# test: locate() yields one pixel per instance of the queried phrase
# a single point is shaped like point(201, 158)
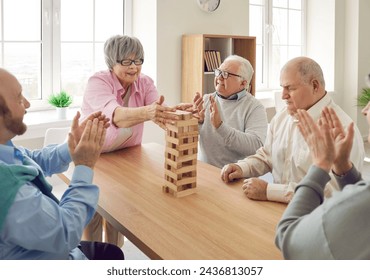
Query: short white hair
point(245, 68)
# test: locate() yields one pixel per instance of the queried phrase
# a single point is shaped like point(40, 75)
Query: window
point(280, 32)
point(58, 44)
point(21, 43)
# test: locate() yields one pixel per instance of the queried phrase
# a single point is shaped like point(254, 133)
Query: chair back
point(56, 135)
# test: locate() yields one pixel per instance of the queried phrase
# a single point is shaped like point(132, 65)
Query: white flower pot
point(62, 113)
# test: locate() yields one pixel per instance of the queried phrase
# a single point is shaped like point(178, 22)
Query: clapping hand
point(198, 109)
point(86, 150)
point(78, 128)
point(343, 140)
point(214, 113)
point(329, 144)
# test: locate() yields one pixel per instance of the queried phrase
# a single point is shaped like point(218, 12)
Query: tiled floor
point(131, 251)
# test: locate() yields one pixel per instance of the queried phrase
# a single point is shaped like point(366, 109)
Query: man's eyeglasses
point(128, 62)
point(225, 74)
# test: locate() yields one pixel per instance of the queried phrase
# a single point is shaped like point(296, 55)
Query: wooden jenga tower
point(181, 155)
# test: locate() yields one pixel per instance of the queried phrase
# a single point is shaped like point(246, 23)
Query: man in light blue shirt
point(33, 223)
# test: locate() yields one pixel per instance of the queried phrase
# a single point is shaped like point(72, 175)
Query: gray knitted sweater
point(338, 228)
point(242, 132)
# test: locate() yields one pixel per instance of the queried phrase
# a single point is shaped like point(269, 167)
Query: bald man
point(285, 152)
point(34, 224)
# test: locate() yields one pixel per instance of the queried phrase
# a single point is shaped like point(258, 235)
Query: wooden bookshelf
point(195, 77)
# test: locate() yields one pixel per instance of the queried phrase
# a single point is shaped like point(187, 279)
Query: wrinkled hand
point(318, 139)
point(255, 188)
point(231, 172)
point(343, 141)
point(188, 107)
point(159, 113)
point(87, 149)
point(77, 129)
point(214, 114)
point(328, 142)
point(198, 110)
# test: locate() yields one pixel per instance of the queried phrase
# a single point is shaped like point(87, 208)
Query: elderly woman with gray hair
point(124, 94)
point(128, 98)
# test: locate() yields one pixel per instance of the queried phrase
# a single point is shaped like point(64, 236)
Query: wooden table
point(217, 222)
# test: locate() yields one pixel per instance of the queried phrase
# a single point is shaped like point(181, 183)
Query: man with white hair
point(232, 123)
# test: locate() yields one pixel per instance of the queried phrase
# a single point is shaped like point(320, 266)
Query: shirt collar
point(235, 96)
point(316, 109)
point(9, 143)
point(10, 154)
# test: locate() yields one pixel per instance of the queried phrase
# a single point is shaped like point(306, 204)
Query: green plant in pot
point(364, 98)
point(61, 101)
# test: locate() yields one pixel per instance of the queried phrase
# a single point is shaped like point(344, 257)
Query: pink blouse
point(103, 93)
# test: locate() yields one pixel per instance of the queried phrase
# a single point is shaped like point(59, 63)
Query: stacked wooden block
point(181, 155)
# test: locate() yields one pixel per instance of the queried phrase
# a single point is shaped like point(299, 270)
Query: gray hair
point(120, 47)
point(245, 68)
point(308, 68)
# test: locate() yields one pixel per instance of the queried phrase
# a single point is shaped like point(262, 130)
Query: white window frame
point(267, 42)
point(51, 50)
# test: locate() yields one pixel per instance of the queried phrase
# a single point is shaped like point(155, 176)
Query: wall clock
point(209, 5)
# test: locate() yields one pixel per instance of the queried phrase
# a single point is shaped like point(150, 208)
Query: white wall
point(321, 36)
point(363, 55)
point(356, 56)
point(144, 27)
point(338, 38)
point(351, 57)
point(172, 18)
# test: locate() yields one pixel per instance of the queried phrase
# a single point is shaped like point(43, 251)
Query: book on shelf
point(212, 60)
point(218, 54)
point(207, 65)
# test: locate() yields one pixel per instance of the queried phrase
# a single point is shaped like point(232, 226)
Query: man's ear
point(3, 106)
point(244, 83)
point(316, 85)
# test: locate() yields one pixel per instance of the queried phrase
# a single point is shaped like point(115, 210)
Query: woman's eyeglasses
point(128, 62)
